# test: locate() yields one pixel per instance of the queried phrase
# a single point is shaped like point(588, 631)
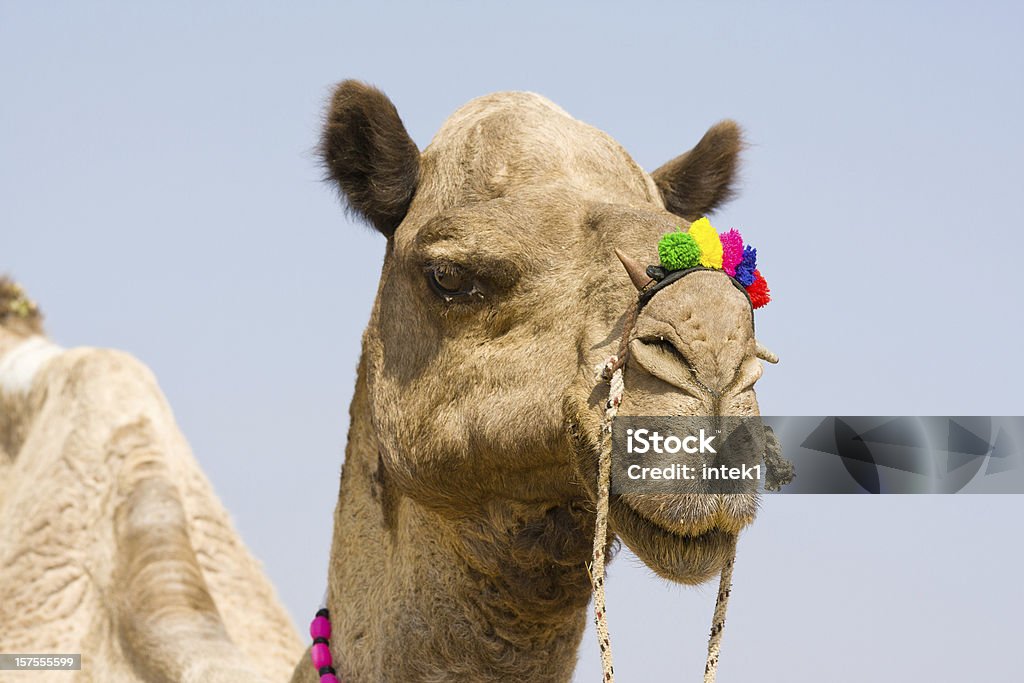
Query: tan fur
point(465, 513)
point(112, 542)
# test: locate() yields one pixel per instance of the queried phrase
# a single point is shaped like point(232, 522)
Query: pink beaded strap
point(320, 653)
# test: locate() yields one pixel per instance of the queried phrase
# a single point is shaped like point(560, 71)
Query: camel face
point(501, 291)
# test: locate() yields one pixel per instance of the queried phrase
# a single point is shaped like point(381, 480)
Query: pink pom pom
point(732, 251)
point(320, 628)
point(328, 678)
point(321, 656)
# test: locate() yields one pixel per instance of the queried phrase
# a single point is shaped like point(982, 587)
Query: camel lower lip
point(686, 558)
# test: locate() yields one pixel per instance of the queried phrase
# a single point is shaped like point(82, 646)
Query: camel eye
point(451, 281)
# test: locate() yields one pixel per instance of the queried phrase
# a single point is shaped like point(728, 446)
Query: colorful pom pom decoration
point(702, 246)
point(678, 251)
point(732, 251)
point(710, 244)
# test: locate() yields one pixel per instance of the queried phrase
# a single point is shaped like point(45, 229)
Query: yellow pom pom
point(707, 239)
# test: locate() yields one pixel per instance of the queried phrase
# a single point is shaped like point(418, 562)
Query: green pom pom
point(678, 251)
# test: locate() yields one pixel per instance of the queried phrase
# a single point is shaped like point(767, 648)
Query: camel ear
point(368, 153)
point(697, 182)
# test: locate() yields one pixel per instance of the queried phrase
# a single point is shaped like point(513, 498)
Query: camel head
point(502, 289)
point(23, 349)
point(19, 316)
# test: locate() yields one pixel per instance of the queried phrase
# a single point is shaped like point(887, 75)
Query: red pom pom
point(758, 291)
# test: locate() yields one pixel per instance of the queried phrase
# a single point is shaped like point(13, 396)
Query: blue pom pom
point(746, 267)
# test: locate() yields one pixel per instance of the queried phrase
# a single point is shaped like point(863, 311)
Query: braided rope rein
point(611, 370)
point(597, 569)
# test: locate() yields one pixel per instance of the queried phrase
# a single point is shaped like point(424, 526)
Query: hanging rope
point(718, 620)
point(597, 571)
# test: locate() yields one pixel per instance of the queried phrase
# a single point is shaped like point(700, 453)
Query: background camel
point(112, 543)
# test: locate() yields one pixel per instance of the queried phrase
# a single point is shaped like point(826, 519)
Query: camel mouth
point(689, 557)
point(690, 551)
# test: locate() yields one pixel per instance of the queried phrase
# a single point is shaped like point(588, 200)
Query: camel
point(465, 513)
point(112, 542)
point(466, 506)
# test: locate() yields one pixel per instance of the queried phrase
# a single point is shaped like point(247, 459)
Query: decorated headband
point(702, 248)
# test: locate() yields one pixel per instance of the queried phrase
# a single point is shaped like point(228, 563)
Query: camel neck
point(487, 594)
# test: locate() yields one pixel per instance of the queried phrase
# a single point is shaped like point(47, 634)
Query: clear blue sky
point(158, 194)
